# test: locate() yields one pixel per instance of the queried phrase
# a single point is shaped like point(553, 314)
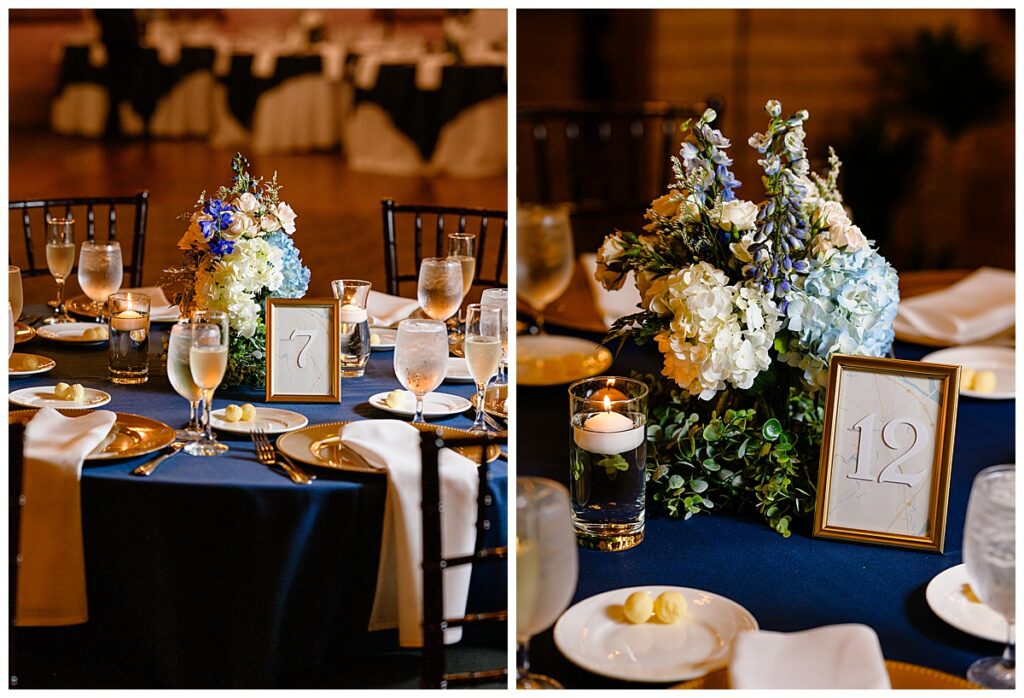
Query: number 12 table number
point(303, 363)
point(887, 452)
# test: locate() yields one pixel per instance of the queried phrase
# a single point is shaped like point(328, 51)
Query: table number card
point(302, 350)
point(886, 452)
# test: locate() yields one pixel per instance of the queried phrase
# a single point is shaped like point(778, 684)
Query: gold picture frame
point(311, 369)
point(867, 434)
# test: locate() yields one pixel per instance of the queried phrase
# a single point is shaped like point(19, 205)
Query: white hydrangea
point(719, 334)
point(254, 265)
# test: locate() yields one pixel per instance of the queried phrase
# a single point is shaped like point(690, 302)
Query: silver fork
point(266, 455)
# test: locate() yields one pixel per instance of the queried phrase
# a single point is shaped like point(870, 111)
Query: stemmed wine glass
point(207, 359)
point(440, 287)
point(14, 294)
point(462, 246)
point(100, 272)
point(990, 559)
point(421, 358)
point(546, 566)
point(545, 256)
point(60, 258)
point(179, 371)
point(498, 298)
point(482, 346)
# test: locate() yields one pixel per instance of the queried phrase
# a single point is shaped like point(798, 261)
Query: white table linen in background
point(394, 446)
point(51, 574)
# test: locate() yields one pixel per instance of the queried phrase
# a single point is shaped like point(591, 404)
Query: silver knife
point(149, 466)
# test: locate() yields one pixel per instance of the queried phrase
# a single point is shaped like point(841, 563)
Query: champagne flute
point(60, 258)
point(211, 317)
point(179, 347)
point(462, 246)
point(498, 298)
point(990, 559)
point(439, 289)
point(14, 294)
point(483, 353)
point(545, 256)
point(421, 358)
point(10, 331)
point(546, 566)
point(100, 272)
point(207, 359)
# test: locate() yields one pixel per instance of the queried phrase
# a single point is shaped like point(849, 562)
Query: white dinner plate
point(272, 420)
point(999, 360)
point(550, 359)
point(70, 332)
point(43, 396)
point(386, 338)
point(20, 364)
point(948, 596)
point(458, 371)
point(434, 404)
point(594, 635)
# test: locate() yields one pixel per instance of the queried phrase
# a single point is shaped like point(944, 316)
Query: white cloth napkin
point(394, 446)
point(160, 309)
point(833, 656)
point(51, 576)
point(976, 307)
point(611, 305)
point(386, 310)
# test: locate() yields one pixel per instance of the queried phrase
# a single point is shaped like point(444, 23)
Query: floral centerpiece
point(747, 302)
point(238, 252)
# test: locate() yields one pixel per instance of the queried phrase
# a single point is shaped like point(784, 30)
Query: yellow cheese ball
point(374, 339)
point(61, 391)
point(232, 413)
point(395, 399)
point(985, 381)
point(638, 607)
point(670, 607)
point(967, 378)
point(248, 412)
point(76, 393)
point(31, 363)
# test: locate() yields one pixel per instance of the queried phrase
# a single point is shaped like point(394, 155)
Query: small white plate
point(458, 371)
point(946, 596)
point(594, 635)
point(70, 332)
point(43, 396)
point(386, 336)
point(999, 360)
point(270, 419)
point(550, 359)
point(434, 404)
point(18, 365)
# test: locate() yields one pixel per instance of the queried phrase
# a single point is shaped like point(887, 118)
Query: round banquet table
point(787, 584)
point(220, 572)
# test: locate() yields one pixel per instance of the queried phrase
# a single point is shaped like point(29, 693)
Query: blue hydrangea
point(296, 276)
point(845, 304)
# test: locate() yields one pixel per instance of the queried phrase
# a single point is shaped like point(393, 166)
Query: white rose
point(269, 223)
point(246, 203)
point(741, 215)
point(741, 249)
point(848, 236)
point(664, 206)
point(611, 249)
point(287, 216)
point(831, 213)
point(242, 226)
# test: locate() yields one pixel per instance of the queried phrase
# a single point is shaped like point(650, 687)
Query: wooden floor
point(339, 223)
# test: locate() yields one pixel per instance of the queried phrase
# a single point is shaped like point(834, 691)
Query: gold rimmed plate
point(23, 333)
point(320, 445)
point(29, 364)
point(495, 399)
point(901, 676)
point(131, 436)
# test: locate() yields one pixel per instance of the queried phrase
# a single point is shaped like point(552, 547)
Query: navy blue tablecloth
point(787, 584)
point(221, 572)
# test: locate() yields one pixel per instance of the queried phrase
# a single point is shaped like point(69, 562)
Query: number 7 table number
point(891, 438)
point(298, 334)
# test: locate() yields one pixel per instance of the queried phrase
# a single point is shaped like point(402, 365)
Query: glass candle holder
point(608, 461)
point(353, 325)
point(128, 349)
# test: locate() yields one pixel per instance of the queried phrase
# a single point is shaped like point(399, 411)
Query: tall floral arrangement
point(238, 251)
point(747, 302)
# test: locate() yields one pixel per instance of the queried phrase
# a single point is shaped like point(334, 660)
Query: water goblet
point(14, 293)
point(990, 560)
point(482, 347)
point(421, 358)
point(439, 289)
point(179, 346)
point(545, 256)
point(208, 360)
point(498, 298)
point(60, 258)
point(546, 567)
point(100, 272)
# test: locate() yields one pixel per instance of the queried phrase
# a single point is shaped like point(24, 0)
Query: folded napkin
point(394, 446)
point(51, 576)
point(611, 305)
point(160, 309)
point(976, 307)
point(834, 656)
point(385, 310)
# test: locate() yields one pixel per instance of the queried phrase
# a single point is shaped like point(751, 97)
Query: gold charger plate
point(131, 436)
point(81, 305)
point(23, 333)
point(901, 675)
point(494, 401)
point(319, 445)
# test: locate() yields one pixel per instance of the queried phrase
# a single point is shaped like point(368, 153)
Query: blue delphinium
point(296, 276)
point(706, 163)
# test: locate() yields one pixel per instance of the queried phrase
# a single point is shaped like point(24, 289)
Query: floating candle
point(128, 320)
point(352, 313)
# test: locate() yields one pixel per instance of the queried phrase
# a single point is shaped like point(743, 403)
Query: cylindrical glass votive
point(353, 326)
point(608, 461)
point(128, 350)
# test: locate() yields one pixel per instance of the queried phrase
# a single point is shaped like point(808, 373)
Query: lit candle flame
point(607, 404)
